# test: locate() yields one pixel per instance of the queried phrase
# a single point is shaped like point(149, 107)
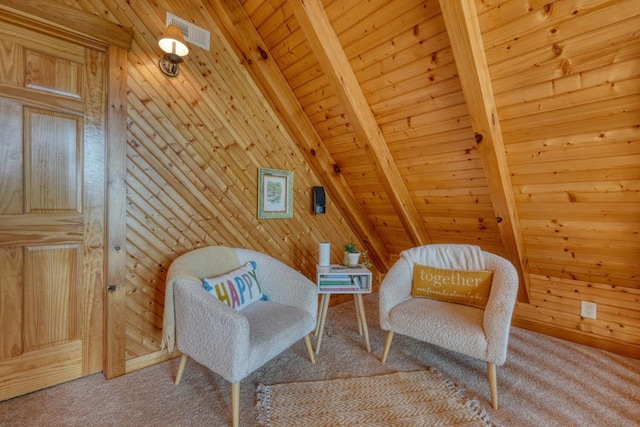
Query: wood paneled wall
point(195, 147)
point(565, 80)
point(195, 144)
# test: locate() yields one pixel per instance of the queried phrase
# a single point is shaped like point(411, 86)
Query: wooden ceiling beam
point(324, 42)
point(248, 44)
point(463, 27)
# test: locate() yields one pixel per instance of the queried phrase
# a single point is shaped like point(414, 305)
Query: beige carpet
point(419, 398)
point(545, 382)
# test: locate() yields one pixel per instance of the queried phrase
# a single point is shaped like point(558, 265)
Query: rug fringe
point(478, 409)
point(472, 404)
point(452, 385)
point(263, 404)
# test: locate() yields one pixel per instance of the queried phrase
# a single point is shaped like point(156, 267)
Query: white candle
point(325, 254)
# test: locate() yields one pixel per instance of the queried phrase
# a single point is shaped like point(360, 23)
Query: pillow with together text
point(238, 288)
point(459, 286)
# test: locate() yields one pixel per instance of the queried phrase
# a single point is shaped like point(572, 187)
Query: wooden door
point(52, 209)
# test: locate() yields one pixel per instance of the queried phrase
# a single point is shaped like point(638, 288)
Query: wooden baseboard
point(149, 360)
point(624, 349)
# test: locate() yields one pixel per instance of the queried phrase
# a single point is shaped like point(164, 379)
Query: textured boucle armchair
point(235, 343)
point(475, 332)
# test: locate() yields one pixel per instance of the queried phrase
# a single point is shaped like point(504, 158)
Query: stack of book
point(338, 282)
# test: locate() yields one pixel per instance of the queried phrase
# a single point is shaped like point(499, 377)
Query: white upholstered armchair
point(476, 332)
point(231, 342)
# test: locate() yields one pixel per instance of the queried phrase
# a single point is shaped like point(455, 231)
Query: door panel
point(52, 210)
point(10, 157)
point(11, 261)
point(51, 285)
point(39, 369)
point(53, 161)
point(52, 73)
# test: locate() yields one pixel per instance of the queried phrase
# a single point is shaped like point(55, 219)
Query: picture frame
point(275, 193)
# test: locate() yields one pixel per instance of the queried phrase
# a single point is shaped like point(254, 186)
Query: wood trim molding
point(461, 21)
point(150, 359)
point(623, 348)
point(74, 20)
point(116, 224)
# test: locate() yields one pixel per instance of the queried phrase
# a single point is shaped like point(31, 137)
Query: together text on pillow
point(459, 286)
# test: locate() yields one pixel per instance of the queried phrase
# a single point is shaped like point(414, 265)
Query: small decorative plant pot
point(353, 258)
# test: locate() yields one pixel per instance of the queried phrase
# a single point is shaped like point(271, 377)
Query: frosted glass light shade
point(172, 41)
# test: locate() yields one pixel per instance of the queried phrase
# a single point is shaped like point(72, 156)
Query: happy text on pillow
point(238, 288)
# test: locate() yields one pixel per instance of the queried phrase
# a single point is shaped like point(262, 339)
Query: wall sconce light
point(172, 43)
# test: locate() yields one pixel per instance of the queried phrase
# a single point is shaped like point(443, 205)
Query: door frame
point(115, 40)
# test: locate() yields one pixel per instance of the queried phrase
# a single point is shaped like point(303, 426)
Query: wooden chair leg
point(493, 384)
point(363, 321)
point(235, 403)
point(318, 321)
point(387, 345)
point(358, 315)
point(322, 319)
point(183, 361)
point(307, 341)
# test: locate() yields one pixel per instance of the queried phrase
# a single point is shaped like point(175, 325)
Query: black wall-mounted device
point(319, 200)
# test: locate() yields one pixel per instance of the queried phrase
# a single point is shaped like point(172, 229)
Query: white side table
point(338, 279)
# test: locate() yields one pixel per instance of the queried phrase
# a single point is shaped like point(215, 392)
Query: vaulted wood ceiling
point(497, 123)
point(324, 52)
point(401, 98)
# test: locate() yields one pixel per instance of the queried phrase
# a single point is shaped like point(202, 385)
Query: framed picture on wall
point(275, 193)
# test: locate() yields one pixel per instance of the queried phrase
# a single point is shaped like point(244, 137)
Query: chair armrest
point(281, 283)
point(500, 306)
point(209, 331)
point(394, 289)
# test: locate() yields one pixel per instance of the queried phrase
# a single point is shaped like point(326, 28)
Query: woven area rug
point(421, 398)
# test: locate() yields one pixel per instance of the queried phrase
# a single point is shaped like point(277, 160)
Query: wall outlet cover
point(588, 310)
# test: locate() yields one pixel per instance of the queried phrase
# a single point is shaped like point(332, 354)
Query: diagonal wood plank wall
point(565, 80)
point(195, 144)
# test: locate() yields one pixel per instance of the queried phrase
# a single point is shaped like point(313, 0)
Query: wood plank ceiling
point(404, 69)
point(383, 103)
point(510, 124)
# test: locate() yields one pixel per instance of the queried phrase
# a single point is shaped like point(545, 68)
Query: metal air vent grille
point(192, 33)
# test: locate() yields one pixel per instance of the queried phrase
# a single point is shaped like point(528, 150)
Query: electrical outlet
point(588, 310)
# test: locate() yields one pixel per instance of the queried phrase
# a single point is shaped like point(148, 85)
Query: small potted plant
point(351, 254)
